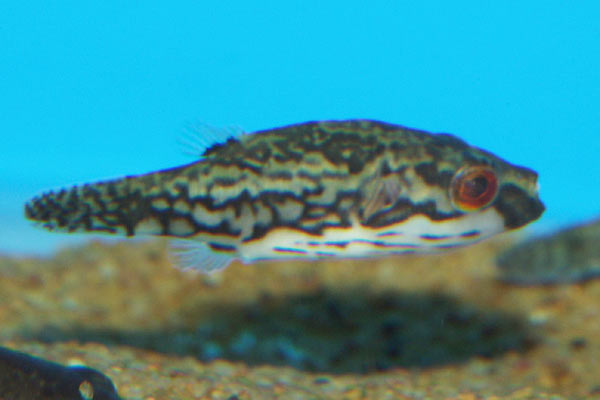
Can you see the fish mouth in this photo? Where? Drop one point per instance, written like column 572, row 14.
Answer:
column 517, row 206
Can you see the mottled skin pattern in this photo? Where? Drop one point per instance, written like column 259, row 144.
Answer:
column 305, row 177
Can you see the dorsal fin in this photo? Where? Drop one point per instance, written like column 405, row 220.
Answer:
column 199, row 139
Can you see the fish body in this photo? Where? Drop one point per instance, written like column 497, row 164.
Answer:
column 567, row 256
column 354, row 188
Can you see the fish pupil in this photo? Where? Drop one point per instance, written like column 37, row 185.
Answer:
column 476, row 187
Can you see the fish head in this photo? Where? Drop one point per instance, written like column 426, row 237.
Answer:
column 444, row 193
column 517, row 200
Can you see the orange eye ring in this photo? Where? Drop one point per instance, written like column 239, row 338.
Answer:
column 473, row 188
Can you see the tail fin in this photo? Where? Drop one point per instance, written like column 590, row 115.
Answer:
column 127, row 206
column 111, row 207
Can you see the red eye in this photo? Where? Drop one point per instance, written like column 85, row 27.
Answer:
column 473, row 188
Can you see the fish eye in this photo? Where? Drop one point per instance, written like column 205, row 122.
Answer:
column 473, row 188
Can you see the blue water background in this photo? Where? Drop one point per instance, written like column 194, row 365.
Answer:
column 95, row 90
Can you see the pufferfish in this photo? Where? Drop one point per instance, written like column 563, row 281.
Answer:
column 351, row 189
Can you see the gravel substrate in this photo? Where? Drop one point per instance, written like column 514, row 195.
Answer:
column 397, row 328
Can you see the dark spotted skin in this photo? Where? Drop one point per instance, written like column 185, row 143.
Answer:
column 306, row 177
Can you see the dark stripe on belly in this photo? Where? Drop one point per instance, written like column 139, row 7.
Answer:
column 389, row 233
column 329, row 244
column 387, row 245
column 325, row 254
column 473, row 233
column 222, row 247
column 288, row 250
column 435, row 237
